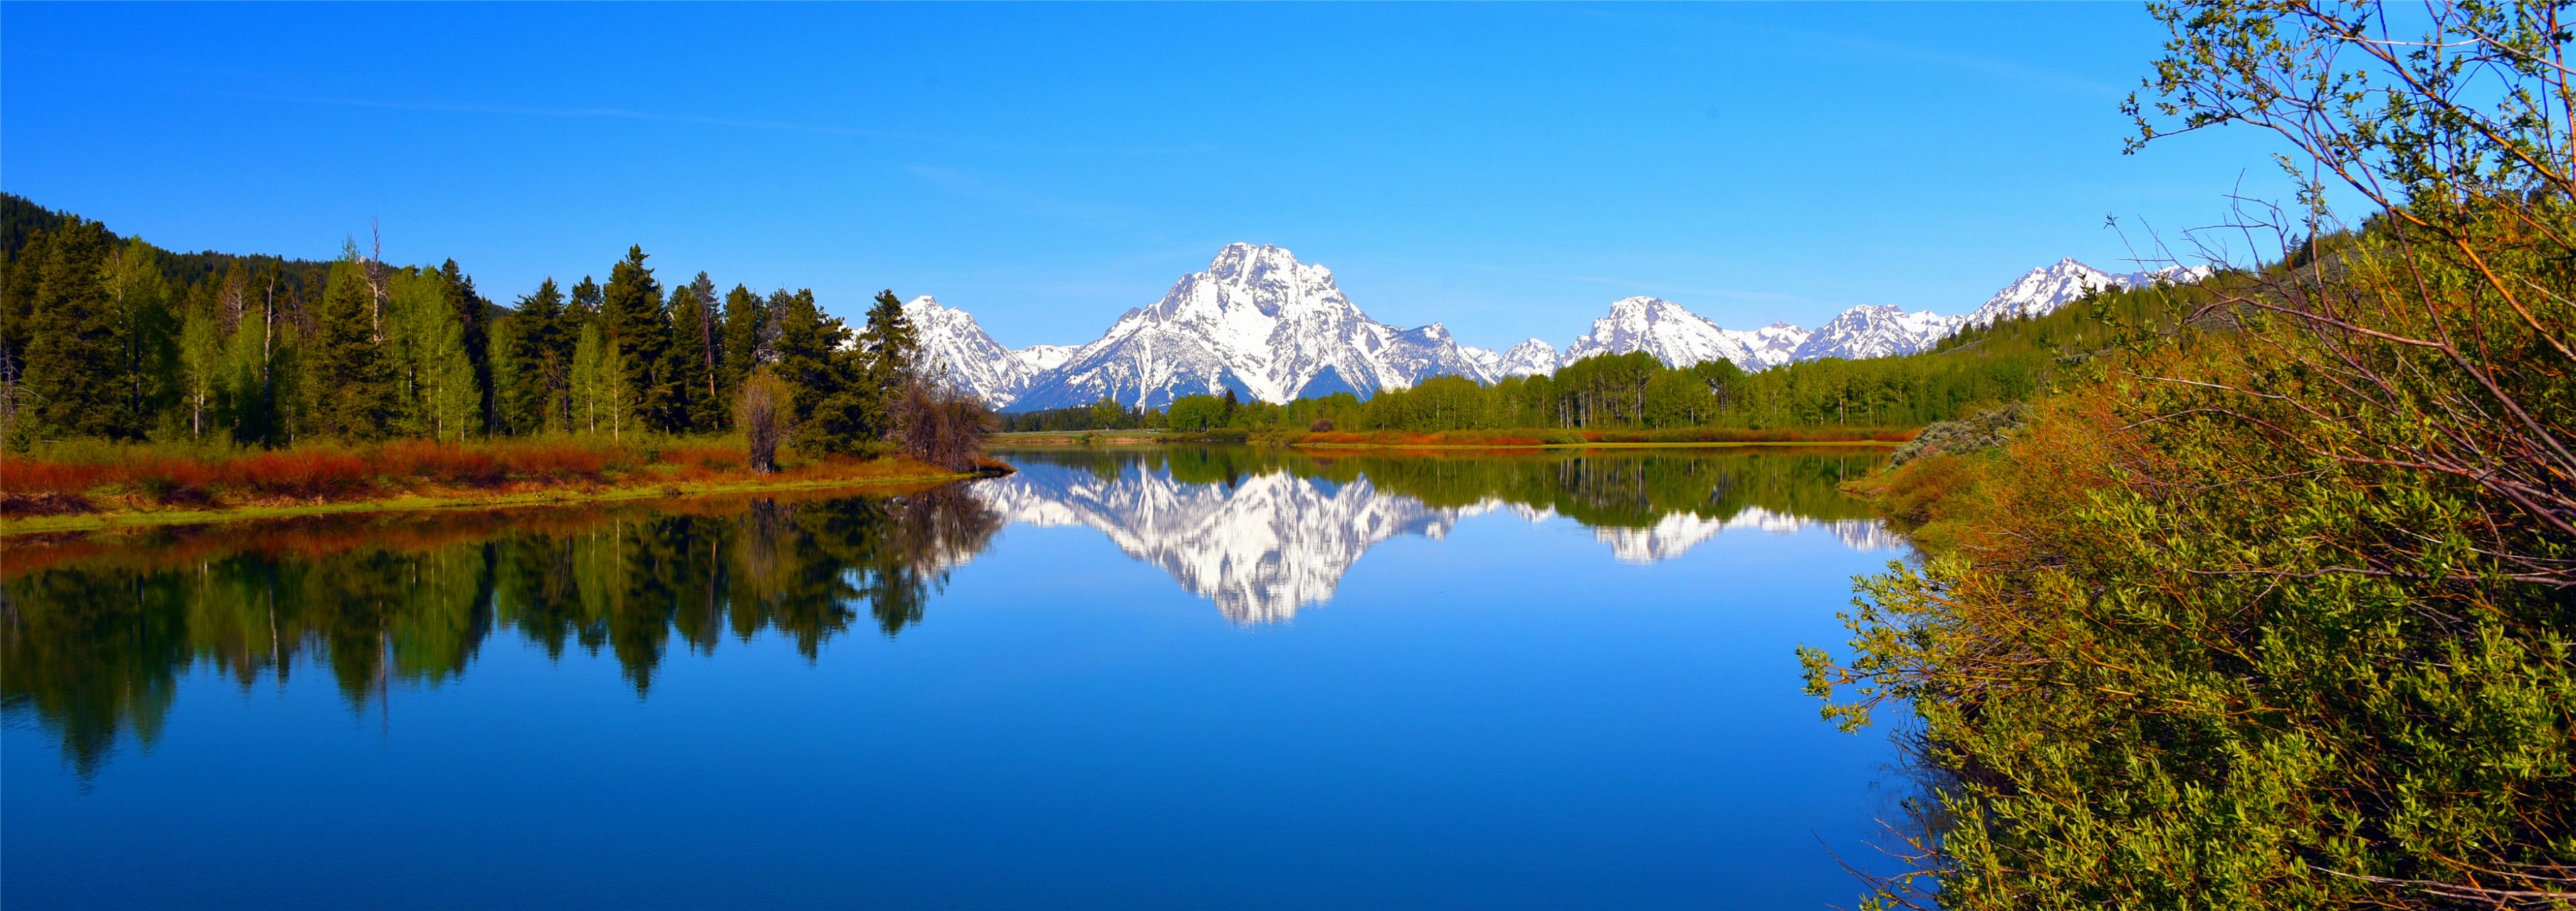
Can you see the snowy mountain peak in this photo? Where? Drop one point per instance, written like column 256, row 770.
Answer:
column 1664, row 329
column 2042, row 291
column 1261, row 323
column 1876, row 330
column 1258, row 322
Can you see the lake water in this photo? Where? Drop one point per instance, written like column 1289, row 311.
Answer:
column 1223, row 678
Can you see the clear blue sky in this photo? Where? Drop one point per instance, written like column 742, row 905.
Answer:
column 1506, row 169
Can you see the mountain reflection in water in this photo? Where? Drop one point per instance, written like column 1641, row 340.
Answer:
column 1264, row 533
column 96, row 631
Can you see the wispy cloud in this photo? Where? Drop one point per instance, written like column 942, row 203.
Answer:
column 614, row 113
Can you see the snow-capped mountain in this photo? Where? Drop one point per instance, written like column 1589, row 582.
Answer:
column 1772, row 345
column 1529, row 358
column 1271, row 328
column 2041, row 291
column 1876, row 331
column 1664, row 329
column 1256, row 321
column 951, row 340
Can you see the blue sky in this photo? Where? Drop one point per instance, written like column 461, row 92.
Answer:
column 1506, row 169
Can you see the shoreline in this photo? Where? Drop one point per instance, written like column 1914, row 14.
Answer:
column 109, row 520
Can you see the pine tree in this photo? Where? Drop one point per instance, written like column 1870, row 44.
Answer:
column 75, row 339
column 632, row 315
column 542, row 334
column 892, row 344
column 690, row 360
column 148, row 368
column 353, row 389
column 744, row 314
column 585, row 303
column 473, row 319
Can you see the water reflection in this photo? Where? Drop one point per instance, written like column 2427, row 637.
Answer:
column 94, row 633
column 1265, row 532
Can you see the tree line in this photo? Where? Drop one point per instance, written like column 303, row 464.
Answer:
column 108, row 337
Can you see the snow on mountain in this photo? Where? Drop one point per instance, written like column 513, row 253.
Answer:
column 1529, row 358
column 1256, row 321
column 1267, row 545
column 953, row 341
column 1041, row 358
column 1876, row 331
column 1772, row 345
column 1261, row 548
column 1271, row 328
column 2043, row 290
column 1664, row 329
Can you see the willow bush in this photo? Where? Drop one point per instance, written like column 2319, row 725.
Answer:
column 2272, row 610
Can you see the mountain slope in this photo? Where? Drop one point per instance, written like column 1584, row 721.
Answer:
column 2041, row 291
column 1876, row 331
column 951, row 340
column 1664, row 329
column 1258, row 322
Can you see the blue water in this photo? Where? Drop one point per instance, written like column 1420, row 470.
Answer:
column 1127, row 694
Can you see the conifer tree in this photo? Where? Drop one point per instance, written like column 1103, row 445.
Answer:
column 542, row 335
column 75, row 338
column 353, row 391
column 892, row 344
column 744, row 314
column 690, row 361
column 474, row 322
column 585, row 304
column 633, row 318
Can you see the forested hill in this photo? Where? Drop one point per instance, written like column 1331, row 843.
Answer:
column 108, row 337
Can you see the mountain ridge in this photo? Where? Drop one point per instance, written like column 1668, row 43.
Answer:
column 1266, row 326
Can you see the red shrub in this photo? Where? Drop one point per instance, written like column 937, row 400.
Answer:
column 305, row 473
column 30, row 476
column 557, row 460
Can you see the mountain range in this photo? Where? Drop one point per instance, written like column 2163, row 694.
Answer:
column 1268, row 327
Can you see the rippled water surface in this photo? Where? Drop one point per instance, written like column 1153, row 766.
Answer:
column 1187, row 678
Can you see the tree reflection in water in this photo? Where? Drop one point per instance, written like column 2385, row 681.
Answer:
column 95, row 631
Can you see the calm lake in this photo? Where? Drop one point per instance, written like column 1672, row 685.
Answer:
column 1220, row 678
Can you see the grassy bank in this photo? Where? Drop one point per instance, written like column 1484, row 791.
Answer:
column 110, row 487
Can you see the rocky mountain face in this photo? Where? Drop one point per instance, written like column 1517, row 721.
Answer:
column 1671, row 333
column 1268, row 327
column 1876, row 331
column 2041, row 291
column 1258, row 322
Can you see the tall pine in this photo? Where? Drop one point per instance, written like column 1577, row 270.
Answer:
column 353, row 394
column 638, row 330
column 76, row 339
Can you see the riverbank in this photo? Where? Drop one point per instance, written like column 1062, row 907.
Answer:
column 141, row 488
